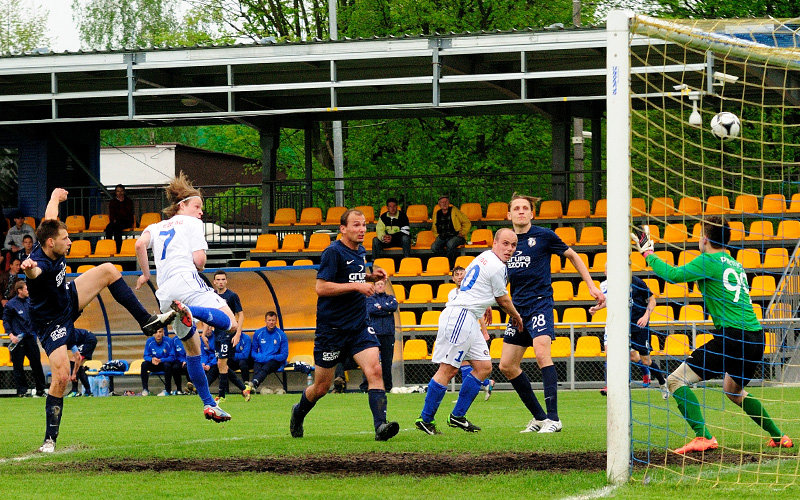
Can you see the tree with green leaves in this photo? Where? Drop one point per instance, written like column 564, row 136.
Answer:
column 21, row 29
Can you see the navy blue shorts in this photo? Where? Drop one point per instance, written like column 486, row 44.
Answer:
column 640, row 340
column 333, row 346
column 537, row 321
column 223, row 344
column 61, row 331
column 733, row 351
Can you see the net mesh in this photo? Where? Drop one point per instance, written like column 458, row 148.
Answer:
column 683, row 73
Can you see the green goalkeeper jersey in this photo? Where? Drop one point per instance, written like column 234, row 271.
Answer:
column 723, row 283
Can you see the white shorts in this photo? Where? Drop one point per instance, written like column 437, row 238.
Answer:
column 459, row 338
column 191, row 290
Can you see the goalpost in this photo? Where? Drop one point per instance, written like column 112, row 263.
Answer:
column 665, row 82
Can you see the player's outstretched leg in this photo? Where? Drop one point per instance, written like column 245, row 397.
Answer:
column 150, row 323
column 208, row 315
column 522, row 385
column 470, row 387
column 433, row 398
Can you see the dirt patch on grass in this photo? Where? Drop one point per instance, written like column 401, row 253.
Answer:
column 417, row 464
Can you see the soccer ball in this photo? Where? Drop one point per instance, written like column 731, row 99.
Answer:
column 726, row 126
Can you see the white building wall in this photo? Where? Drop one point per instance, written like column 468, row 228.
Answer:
column 137, row 165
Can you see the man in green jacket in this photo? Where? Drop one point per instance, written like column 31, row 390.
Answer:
column 737, row 348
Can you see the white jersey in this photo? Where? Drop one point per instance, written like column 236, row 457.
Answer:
column 484, row 280
column 173, row 241
column 452, row 294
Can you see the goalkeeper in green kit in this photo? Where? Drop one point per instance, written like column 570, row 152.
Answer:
column 738, row 344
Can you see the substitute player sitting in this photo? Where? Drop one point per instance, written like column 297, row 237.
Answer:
column 179, row 252
column 735, row 351
column 460, row 338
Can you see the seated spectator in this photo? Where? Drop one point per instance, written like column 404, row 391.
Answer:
column 241, row 357
column 179, row 365
column 8, row 281
column 120, row 215
column 393, row 230
column 450, row 229
column 27, row 248
column 159, row 356
column 269, row 350
column 13, row 242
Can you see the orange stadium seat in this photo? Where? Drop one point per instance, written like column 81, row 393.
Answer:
column 420, row 293
column 638, row 207
column 561, row 347
column 410, row 266
column 749, row 258
column 666, row 256
column 690, row 205
column 334, row 215
column 82, row 269
column 737, row 230
column 773, row 204
column 550, row 209
column 591, row 235
column 463, row 261
column 399, row 292
column 407, row 319
column 653, row 285
column 310, row 216
column 249, row 263
column 386, row 264
column 717, row 205
column 675, row 290
column 292, row 242
column 675, row 233
column 563, row 291
column 794, row 203
column 104, row 248
column 762, row 286
column 567, row 235
column 745, row 203
column 691, row 313
column 417, row 213
column 430, row 318
column 662, row 207
column 424, row 240
column 368, row 211
column 788, row 230
column 473, row 211
column 276, row 263
column 583, row 290
column 677, row 344
column 80, row 249
column 686, row 256
column 415, row 349
column 599, row 262
column 497, row 210
column 600, row 209
column 318, row 242
column 480, row 238
column 128, row 248
column 662, row 314
column 266, row 243
column 555, row 264
column 588, row 347
column 285, row 217
column 573, row 315
column 147, row 219
column 303, row 262
column 75, row 223
column 98, row 223
column 569, row 267
column 442, row 291
column 31, row 222
column 578, row 209
column 437, row 266
column 776, row 258
column 496, row 348
column 760, row 230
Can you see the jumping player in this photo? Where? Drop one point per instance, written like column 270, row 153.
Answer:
column 459, row 337
column 226, row 340
column 56, row 304
column 735, row 351
column 342, row 287
column 179, row 252
column 529, row 274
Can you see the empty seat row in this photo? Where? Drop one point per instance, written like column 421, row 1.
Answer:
column 104, row 248
column 98, row 222
column 763, row 230
column 771, row 204
column 294, row 242
column 276, row 263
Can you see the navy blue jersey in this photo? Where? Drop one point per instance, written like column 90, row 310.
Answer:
column 529, row 267
column 232, row 299
column 339, row 264
column 640, row 296
column 49, row 296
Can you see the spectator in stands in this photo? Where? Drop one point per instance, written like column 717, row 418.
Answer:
column 13, row 241
column 380, row 317
column 8, row 280
column 82, row 349
column 19, row 327
column 241, row 357
column 27, row 248
column 120, row 215
column 270, row 349
column 179, row 365
column 159, row 356
column 450, row 229
column 393, row 230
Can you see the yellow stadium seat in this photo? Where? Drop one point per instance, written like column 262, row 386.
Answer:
column 68, row 270
column 117, row 267
column 496, row 348
column 655, row 346
column 591, row 235
column 690, row 206
column 266, row 243
column 430, row 319
column 369, row 238
column 410, row 266
column 75, row 223
column 567, row 235
column 788, row 230
column 561, row 347
column 128, row 248
column 415, row 349
column 386, row 264
column 569, row 267
column 760, row 230
column 334, row 215
column 249, row 263
column 135, row 368
column 303, row 262
column 583, row 290
column 717, row 205
column 368, row 211
column 675, row 233
column 675, row 290
column 92, row 366
column 655, row 232
column 776, row 258
column 686, row 256
column 662, row 314
column 5, row 357
column 442, row 291
column 691, row 313
column 662, row 207
column 529, row 353
column 550, row 209
column 98, row 223
column 562, row 291
column 702, row 338
column 745, row 203
column 420, row 293
column 424, row 240
column 599, row 262
column 399, row 292
column 578, row 209
column 653, row 285
column 417, row 213
column 666, row 256
column 463, row 261
column 555, row 315
column 80, row 249
column 749, row 258
column 292, row 242
column 573, row 315
column 437, row 266
column 104, row 248
column 677, row 344
column 473, row 211
column 794, row 203
column 600, row 316
column 497, row 210
column 147, row 219
column 318, row 242
column 408, row 319
column 770, row 343
column 588, row 347
column 637, row 262
column 480, row 238
column 638, row 207
column 30, row 221
column 285, row 217
column 762, row 286
column 555, row 264
column 276, row 263
column 773, row 204
column 600, row 209
column 695, row 293
column 758, row 311
column 310, row 216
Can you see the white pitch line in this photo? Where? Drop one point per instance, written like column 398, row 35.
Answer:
column 603, row 492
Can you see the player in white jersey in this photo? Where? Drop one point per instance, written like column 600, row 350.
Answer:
column 179, row 252
column 459, row 337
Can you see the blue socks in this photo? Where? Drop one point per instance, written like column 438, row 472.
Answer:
column 466, row 370
column 211, row 316
column 550, row 381
column 522, row 385
column 377, row 404
column 198, row 377
column 123, row 294
column 433, row 399
column 470, row 387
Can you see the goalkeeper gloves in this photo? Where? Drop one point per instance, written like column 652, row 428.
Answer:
column 642, row 241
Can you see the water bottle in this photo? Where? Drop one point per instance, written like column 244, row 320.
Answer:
column 309, row 379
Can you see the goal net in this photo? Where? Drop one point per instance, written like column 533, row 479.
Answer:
column 668, row 155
